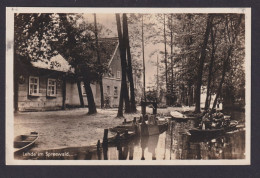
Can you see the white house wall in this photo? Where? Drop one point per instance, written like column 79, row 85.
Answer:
column 72, row 94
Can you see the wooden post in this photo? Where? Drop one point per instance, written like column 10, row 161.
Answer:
column 120, row 153
column 134, row 120
column 98, row 145
column 140, row 119
column 117, row 136
column 98, row 150
column 136, row 129
column 142, row 158
column 105, row 149
column 143, row 105
column 131, row 152
column 155, row 108
column 126, row 133
column 105, row 144
column 105, row 140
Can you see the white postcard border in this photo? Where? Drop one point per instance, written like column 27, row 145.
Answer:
column 9, row 85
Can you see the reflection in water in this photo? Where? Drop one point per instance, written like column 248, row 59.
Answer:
column 180, row 146
column 175, row 143
column 172, row 144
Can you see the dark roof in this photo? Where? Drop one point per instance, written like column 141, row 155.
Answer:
column 107, row 47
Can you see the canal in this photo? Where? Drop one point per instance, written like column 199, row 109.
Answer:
column 173, row 144
column 177, row 144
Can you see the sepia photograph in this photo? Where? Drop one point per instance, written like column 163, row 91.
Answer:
column 91, row 86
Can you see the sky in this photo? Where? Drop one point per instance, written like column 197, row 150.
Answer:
column 109, row 21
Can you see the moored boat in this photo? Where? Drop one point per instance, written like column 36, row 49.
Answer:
column 214, row 131
column 23, row 143
column 179, row 117
column 153, row 126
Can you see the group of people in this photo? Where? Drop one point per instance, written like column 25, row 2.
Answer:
column 213, row 119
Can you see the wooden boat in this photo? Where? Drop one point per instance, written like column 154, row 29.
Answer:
column 24, row 142
column 153, row 127
column 162, row 120
column 163, row 127
column 122, row 128
column 213, row 132
column 122, row 137
column 178, row 116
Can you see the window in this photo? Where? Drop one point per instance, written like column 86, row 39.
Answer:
column 108, row 90
column 118, row 74
column 115, row 91
column 33, row 86
column 51, row 87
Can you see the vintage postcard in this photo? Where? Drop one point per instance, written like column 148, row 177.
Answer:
column 128, row 86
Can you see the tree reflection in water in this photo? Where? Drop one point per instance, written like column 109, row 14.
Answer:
column 172, row 144
column 175, row 144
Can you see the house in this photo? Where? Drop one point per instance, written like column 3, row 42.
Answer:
column 39, row 86
column 109, row 54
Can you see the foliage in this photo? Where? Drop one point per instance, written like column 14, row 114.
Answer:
column 41, row 36
column 151, row 95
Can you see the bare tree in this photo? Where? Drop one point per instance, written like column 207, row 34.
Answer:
column 98, row 58
column 129, row 62
column 232, row 27
column 123, row 93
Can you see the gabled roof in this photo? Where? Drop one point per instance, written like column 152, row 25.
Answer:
column 108, row 48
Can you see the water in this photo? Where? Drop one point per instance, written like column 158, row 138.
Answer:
column 173, row 144
column 176, row 144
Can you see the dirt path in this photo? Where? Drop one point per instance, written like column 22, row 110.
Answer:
column 70, row 127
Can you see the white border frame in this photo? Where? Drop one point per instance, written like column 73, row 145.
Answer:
column 9, row 85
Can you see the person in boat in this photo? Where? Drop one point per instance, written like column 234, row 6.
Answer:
column 218, row 119
column 206, row 120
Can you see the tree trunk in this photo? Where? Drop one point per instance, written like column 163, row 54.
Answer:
column 201, row 63
column 121, row 104
column 225, row 64
column 91, row 103
column 210, row 68
column 144, row 94
column 123, row 93
column 210, row 96
column 165, row 59
column 172, row 84
column 189, row 94
column 80, row 93
column 130, row 73
column 157, row 81
column 98, row 59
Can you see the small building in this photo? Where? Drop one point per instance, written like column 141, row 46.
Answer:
column 40, row 86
